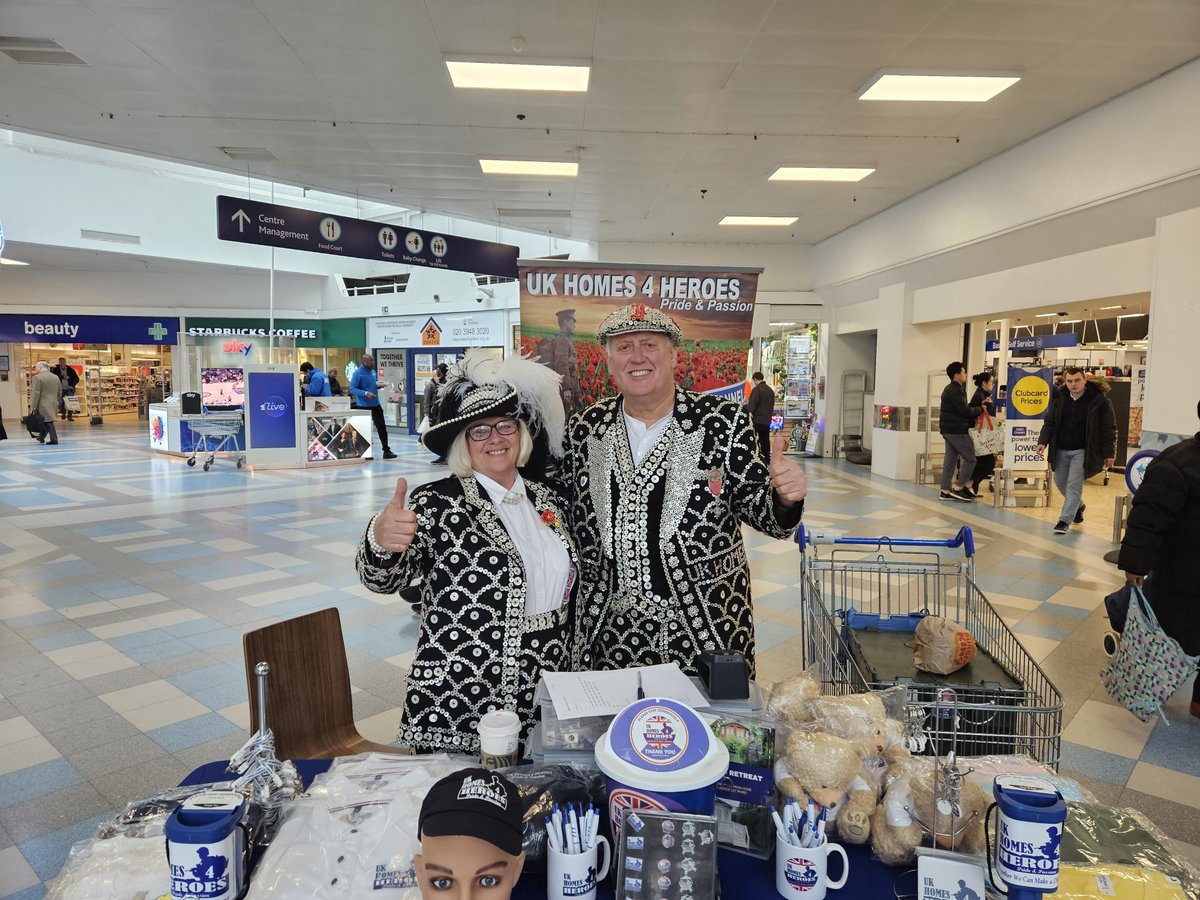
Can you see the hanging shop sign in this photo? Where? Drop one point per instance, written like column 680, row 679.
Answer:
column 251, row 222
column 305, row 332
column 1028, row 346
column 482, row 329
column 563, row 303
column 68, row 329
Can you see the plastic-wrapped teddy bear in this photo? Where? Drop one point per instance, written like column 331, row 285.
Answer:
column 910, row 814
column 828, row 769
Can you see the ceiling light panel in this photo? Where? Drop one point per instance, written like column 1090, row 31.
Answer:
column 490, row 76
column 759, row 220
column 946, row 87
column 529, row 167
column 12, row 262
column 818, row 173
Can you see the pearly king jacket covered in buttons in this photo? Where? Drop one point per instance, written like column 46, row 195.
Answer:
column 477, row 650
column 661, row 543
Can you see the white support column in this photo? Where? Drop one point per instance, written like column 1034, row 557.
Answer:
column 1171, row 392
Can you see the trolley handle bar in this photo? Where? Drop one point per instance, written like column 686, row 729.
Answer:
column 965, row 539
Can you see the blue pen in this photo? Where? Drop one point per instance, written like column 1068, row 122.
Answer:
column 641, row 693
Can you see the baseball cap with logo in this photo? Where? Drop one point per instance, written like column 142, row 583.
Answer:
column 475, row 803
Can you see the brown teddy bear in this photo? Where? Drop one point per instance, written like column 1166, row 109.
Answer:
column 909, row 814
column 829, row 770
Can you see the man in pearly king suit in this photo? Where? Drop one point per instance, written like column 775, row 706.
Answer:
column 661, row 480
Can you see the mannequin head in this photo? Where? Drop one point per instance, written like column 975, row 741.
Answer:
column 456, row 867
column 471, row 829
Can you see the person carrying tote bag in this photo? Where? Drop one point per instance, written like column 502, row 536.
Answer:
column 1161, row 537
column 1149, row 665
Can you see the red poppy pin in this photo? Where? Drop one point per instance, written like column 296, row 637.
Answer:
column 549, row 518
column 715, row 481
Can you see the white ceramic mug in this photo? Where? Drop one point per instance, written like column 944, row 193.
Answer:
column 499, row 739
column 574, row 876
column 803, row 872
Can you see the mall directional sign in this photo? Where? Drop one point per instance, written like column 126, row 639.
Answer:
column 251, row 222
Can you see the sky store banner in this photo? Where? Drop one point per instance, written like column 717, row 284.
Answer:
column 1027, row 405
column 563, row 303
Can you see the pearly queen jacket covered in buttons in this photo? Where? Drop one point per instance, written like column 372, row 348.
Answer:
column 476, row 650
column 661, row 542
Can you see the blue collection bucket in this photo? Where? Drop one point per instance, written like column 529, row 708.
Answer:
column 659, row 756
column 207, row 847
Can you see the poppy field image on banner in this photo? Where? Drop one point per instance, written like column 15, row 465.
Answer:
column 563, row 304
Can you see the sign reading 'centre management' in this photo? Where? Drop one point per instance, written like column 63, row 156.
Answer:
column 251, row 222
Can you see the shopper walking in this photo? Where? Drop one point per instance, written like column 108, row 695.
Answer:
column 956, row 418
column 761, row 406
column 1162, row 536
column 45, row 392
column 497, row 564
column 430, row 403
column 1079, row 436
column 316, row 382
column 70, row 379
column 364, row 388
column 985, row 465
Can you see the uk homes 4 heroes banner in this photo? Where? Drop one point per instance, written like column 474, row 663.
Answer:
column 1028, row 402
column 563, row 304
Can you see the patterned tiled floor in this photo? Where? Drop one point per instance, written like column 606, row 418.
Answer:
column 127, row 580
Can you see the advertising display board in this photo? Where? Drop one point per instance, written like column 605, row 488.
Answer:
column 563, row 303
column 1028, row 402
column 272, row 415
column 481, row 329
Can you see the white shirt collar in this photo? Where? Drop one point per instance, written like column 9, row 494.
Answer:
column 497, row 492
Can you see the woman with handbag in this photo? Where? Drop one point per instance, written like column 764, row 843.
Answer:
column 985, row 463
column 1161, row 537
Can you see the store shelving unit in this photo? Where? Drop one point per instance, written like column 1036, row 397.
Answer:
column 117, row 387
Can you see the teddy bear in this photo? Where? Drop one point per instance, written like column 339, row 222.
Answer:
column 828, row 769
column 906, row 818
column 788, row 703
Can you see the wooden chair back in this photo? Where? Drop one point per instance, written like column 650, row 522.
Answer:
column 309, row 707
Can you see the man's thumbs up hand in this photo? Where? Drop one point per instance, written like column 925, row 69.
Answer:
column 396, row 526
column 787, row 478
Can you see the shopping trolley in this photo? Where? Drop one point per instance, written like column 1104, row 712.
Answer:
column 223, row 425
column 861, row 600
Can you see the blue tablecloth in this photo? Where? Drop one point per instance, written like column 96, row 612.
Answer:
column 742, row 877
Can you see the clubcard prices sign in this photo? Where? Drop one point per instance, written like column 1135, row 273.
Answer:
column 1028, row 402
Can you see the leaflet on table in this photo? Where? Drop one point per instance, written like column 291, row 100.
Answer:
column 606, row 693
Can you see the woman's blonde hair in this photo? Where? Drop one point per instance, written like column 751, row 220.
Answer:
column 459, row 457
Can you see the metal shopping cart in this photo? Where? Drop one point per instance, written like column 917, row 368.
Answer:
column 222, row 425
column 861, row 600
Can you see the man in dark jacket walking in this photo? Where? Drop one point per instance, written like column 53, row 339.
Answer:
column 761, row 406
column 430, row 404
column 1162, row 536
column 954, row 422
column 1080, row 435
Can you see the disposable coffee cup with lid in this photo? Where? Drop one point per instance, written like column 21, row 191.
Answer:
column 499, row 739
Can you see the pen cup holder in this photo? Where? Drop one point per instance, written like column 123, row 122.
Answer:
column 574, row 876
column 802, row 873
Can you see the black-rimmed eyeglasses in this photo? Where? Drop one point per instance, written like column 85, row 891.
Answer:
column 483, row 431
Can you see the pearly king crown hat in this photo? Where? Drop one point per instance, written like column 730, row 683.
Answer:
column 638, row 317
column 480, row 386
